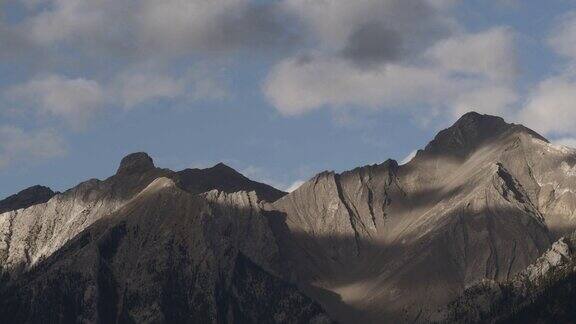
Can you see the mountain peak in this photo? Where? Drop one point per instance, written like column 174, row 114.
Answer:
column 224, row 178
column 26, row 198
column 476, row 116
column 135, row 163
column 469, row 132
column 223, row 167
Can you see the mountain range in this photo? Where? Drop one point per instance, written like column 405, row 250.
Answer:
column 477, row 227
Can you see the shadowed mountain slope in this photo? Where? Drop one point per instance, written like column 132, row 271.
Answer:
column 542, row 293
column 26, row 198
column 226, row 179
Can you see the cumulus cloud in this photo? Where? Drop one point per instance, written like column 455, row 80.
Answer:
column 210, row 25
column 391, row 54
column 494, row 99
column 550, row 108
column 367, row 53
column 297, row 85
column 150, row 28
column 456, row 73
column 72, row 99
column 18, row 146
column 489, row 54
column 77, row 100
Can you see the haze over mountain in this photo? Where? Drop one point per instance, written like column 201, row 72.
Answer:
column 384, row 243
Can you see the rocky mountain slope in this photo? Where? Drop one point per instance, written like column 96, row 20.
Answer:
column 542, row 293
column 382, row 243
column 483, row 200
column 137, row 247
column 165, row 256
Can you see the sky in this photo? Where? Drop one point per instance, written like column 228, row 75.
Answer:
column 279, row 90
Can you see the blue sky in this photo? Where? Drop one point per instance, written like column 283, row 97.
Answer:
column 279, row 90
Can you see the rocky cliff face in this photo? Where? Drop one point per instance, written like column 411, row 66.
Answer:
column 382, row 243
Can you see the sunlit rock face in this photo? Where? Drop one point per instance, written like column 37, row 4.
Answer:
column 481, row 203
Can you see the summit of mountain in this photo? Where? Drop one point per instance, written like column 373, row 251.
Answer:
column 26, row 198
column 224, row 178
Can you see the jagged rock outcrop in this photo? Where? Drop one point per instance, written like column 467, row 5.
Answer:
column 26, row 198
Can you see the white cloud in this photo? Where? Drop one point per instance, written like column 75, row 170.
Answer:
column 153, row 29
column 77, row 100
column 474, row 71
column 550, row 108
column 74, row 100
column 550, row 105
column 495, row 99
column 179, row 24
column 295, row 185
column 488, row 54
column 18, row 146
column 394, row 32
column 424, row 59
column 297, row 85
